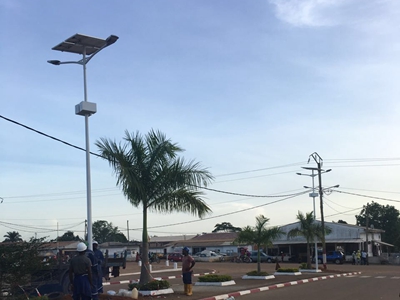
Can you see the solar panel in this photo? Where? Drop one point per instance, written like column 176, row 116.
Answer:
column 77, row 43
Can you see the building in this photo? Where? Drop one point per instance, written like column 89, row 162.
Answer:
column 165, row 244
column 219, row 242
column 343, row 237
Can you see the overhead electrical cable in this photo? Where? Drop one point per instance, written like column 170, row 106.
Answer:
column 222, row 215
column 365, row 196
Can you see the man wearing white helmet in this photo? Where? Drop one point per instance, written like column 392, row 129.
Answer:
column 80, row 274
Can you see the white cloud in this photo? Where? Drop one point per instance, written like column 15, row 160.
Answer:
column 307, row 12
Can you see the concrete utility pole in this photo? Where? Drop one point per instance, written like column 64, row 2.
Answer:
column 318, row 160
column 366, row 228
column 127, row 228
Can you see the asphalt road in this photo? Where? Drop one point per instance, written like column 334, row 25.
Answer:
column 365, row 287
column 374, row 282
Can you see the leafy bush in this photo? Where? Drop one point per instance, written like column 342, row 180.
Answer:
column 287, row 270
column 255, row 273
column 151, row 286
column 215, row 278
column 303, row 266
column 19, row 261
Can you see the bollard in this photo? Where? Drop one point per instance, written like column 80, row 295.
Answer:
column 139, row 263
column 135, row 293
column 175, row 265
column 167, row 263
column 150, row 268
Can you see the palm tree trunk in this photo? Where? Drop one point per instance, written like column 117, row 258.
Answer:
column 145, row 276
column 308, row 256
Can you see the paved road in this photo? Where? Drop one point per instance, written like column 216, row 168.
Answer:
column 374, row 282
column 365, row 287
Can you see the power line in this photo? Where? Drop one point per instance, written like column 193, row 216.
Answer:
column 263, row 169
column 222, row 215
column 365, row 196
column 249, row 195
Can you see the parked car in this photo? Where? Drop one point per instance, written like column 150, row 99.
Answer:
column 175, row 257
column 207, row 255
column 336, row 257
column 263, row 257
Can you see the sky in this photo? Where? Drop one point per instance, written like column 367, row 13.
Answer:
column 250, row 89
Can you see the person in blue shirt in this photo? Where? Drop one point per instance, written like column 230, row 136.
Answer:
column 95, row 273
column 100, row 260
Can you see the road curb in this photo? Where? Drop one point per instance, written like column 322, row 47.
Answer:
column 155, row 278
column 277, row 286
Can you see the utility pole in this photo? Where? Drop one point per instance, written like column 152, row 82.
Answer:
column 127, row 228
column 84, row 236
column 318, row 160
column 366, row 228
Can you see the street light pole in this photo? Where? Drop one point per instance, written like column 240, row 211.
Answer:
column 313, row 195
column 318, row 160
column 88, row 47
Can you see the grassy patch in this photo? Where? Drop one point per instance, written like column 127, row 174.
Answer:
column 215, row 278
column 287, row 270
column 151, row 286
column 255, row 273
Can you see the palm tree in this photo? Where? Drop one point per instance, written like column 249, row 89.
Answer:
column 152, row 175
column 308, row 229
column 259, row 236
column 12, row 236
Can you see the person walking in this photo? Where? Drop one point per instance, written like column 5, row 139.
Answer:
column 187, row 271
column 354, row 256
column 358, row 255
column 80, row 274
column 363, row 257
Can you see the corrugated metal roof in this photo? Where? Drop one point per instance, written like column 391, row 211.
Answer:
column 338, row 241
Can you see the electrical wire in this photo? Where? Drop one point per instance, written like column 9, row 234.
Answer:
column 222, row 215
column 365, row 196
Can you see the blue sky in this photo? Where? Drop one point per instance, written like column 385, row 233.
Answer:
column 248, row 88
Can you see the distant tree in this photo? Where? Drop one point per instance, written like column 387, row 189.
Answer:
column 259, row 236
column 152, row 175
column 308, row 229
column 69, row 236
column 18, row 261
column 342, row 222
column 385, row 217
column 226, row 227
column 106, row 232
column 12, row 236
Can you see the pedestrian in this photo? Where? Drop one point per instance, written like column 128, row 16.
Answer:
column 80, row 274
column 363, row 257
column 354, row 256
column 187, row 271
column 95, row 273
column 282, row 255
column 100, row 260
column 358, row 256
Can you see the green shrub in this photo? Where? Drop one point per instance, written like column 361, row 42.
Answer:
column 255, row 273
column 151, row 286
column 303, row 266
column 287, row 270
column 214, row 278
